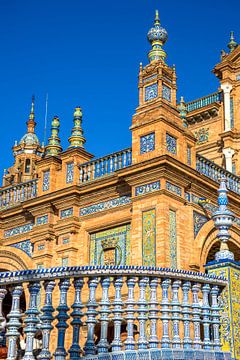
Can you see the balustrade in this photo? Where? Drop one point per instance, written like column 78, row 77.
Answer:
column 106, row 165
column 204, row 101
column 18, row 193
column 161, row 309
column 215, row 172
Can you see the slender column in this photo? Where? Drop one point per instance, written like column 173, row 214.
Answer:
column 227, row 107
column 228, row 153
column 186, row 311
column 215, row 318
column 46, row 319
column 142, row 313
column 196, row 311
column 76, row 323
column 153, row 313
column 165, row 313
column 176, row 341
column 130, row 342
column 117, row 311
column 31, row 320
column 14, row 322
column 90, row 348
column 62, row 316
column 3, row 292
column 206, row 316
column 103, row 344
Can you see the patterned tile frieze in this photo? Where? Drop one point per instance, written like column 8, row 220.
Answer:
column 40, row 220
column 153, row 77
column 110, row 247
column 18, row 230
column 166, row 92
column 69, row 174
column 151, row 92
column 147, row 188
column 173, row 188
column 173, row 238
column 147, row 143
column 105, row 205
column 25, row 246
column 171, row 143
column 189, row 155
column 66, row 213
column 149, row 237
column 46, row 180
column 198, row 220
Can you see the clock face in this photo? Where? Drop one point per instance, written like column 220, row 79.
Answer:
column 151, row 92
column 166, row 92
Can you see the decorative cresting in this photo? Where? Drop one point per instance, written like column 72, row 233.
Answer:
column 77, row 139
column 53, row 147
column 14, row 195
column 162, row 306
column 223, row 220
column 105, row 166
column 157, row 37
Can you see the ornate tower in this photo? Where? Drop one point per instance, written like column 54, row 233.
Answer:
column 26, row 153
column 157, row 127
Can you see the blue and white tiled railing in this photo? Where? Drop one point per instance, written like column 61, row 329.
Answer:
column 106, row 165
column 115, row 310
column 13, row 195
column 204, row 101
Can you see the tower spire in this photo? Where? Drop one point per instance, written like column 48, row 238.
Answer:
column 53, row 147
column 77, row 139
column 157, row 36
column 232, row 43
column 31, row 120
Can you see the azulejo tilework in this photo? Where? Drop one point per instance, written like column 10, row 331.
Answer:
column 149, row 237
column 149, row 78
column 69, row 175
column 151, row 92
column 231, row 113
column 171, row 142
column 147, row 188
column 105, row 205
column 166, row 92
column 201, row 135
column 18, row 230
column 40, row 220
column 66, row 213
column 198, row 220
column 46, row 179
column 189, row 155
column 110, row 247
column 173, row 238
column 147, row 143
column 25, row 246
column 173, row 188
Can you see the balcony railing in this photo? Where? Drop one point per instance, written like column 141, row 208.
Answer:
column 114, row 309
column 13, row 195
column 204, row 101
column 214, row 172
column 106, row 165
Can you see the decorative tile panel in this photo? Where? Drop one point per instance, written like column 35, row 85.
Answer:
column 173, row 238
column 147, row 143
column 64, row 261
column 151, row 92
column 69, row 175
column 173, row 188
column 189, row 155
column 25, row 246
column 201, row 135
column 198, row 220
column 147, row 188
column 40, row 220
column 105, row 205
column 46, row 180
column 41, row 247
column 149, row 78
column 171, row 142
column 18, row 230
column 149, row 237
column 231, row 113
column 65, row 240
column 166, row 92
column 111, row 246
column 66, row 213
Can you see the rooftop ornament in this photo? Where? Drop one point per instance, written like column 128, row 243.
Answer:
column 157, row 36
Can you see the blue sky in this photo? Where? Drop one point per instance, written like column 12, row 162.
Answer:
column 87, row 53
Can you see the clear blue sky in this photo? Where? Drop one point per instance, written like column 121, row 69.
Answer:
column 87, row 53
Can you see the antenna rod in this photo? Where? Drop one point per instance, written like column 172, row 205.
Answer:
column 45, row 121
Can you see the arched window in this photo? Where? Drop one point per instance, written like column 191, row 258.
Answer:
column 27, row 166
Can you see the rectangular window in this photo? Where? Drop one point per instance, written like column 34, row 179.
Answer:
column 189, row 155
column 69, row 174
column 171, row 142
column 40, row 266
column 46, row 179
column 147, row 143
column 173, row 238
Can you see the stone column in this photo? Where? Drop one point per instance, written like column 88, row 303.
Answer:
column 228, row 153
column 226, row 93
